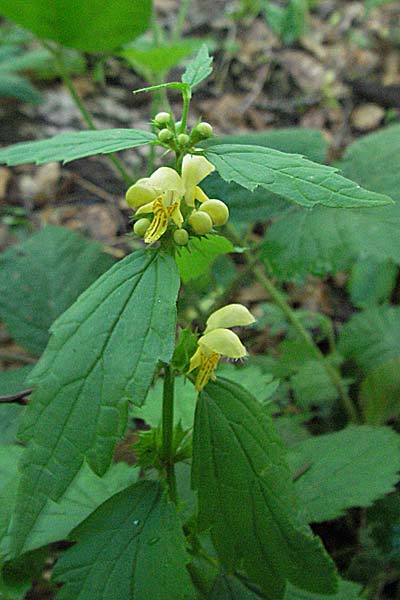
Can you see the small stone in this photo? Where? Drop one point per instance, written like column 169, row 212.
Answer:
column 367, row 116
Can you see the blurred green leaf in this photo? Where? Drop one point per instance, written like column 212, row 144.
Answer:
column 380, row 393
column 42, row 277
column 195, row 259
column 89, row 25
column 371, row 282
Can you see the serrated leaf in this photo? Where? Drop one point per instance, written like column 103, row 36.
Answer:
column 42, row 277
column 145, row 55
column 12, row 381
column 89, row 25
column 246, row 495
column 103, row 352
column 85, row 494
column 380, row 393
column 195, row 259
column 312, row 386
column 261, row 205
column 328, row 240
column 290, row 176
column 352, row 467
column 131, row 548
column 371, row 337
column 199, row 68
column 71, row 146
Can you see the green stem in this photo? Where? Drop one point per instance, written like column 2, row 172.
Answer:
column 186, row 93
column 87, row 117
column 180, row 19
column 167, row 449
column 292, row 317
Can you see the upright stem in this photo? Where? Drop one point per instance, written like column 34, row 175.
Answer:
column 185, row 111
column 87, row 117
column 180, row 19
column 292, row 317
column 167, row 450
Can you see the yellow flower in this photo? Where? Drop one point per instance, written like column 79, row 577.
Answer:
column 194, row 170
column 219, row 341
column 162, row 192
column 161, row 195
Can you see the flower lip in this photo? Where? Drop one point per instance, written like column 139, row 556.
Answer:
column 231, row 315
column 224, row 342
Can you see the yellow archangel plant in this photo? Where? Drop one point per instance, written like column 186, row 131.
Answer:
column 161, row 194
column 217, row 340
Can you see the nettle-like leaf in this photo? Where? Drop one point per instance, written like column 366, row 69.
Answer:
column 198, row 69
column 328, row 240
column 131, row 548
column 246, row 495
column 347, row 590
column 89, row 25
column 12, row 381
column 103, row 352
column 195, row 259
column 371, row 337
column 53, row 266
column 71, row 146
column 261, row 204
column 291, row 176
column 380, row 392
column 352, row 467
column 57, row 519
column 371, row 282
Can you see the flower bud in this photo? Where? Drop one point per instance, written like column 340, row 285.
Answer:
column 183, row 139
column 217, row 210
column 141, row 226
column 162, row 118
column 204, row 129
column 165, row 135
column 181, row 237
column 200, row 222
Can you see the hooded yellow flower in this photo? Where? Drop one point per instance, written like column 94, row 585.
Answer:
column 161, row 194
column 219, row 341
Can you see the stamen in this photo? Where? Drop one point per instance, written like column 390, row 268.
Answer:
column 206, row 370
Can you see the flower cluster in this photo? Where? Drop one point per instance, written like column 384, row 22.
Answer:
column 162, row 194
column 217, row 340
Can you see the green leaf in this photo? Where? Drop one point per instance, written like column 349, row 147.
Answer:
column 352, row 467
column 89, row 25
column 71, row 146
column 290, row 176
column 42, row 277
column 145, row 55
column 312, row 386
column 12, row 381
column 131, row 548
column 371, row 337
column 9, row 457
column 16, row 86
column 328, row 240
column 380, row 393
column 348, row 590
column 371, row 282
column 85, row 494
column 195, row 259
column 245, row 206
column 184, row 405
column 199, row 68
column 103, row 352
column 246, row 495
column 228, row 587
column 175, row 85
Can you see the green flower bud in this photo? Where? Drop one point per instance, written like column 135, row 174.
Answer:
column 204, row 129
column 141, row 226
column 183, row 139
column 181, row 237
column 162, row 118
column 178, row 126
column 200, row 222
column 165, row 135
column 217, row 210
